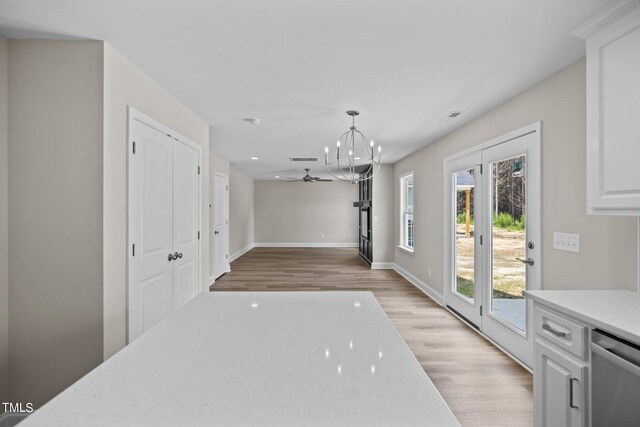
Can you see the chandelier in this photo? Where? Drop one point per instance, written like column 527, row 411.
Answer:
column 346, row 157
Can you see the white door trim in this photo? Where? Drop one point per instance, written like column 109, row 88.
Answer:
column 133, row 114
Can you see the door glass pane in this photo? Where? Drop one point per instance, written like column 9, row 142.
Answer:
column 464, row 235
column 508, row 240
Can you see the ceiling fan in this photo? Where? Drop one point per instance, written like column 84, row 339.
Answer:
column 307, row 178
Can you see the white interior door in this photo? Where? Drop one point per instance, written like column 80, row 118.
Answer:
column 463, row 188
column 220, row 225
column 492, row 223
column 163, row 222
column 150, row 228
column 186, row 219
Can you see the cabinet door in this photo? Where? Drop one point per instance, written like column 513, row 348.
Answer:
column 559, row 388
column 613, row 128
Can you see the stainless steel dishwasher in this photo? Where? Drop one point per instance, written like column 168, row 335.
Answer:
column 615, row 381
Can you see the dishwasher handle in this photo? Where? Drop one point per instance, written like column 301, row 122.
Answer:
column 621, row 362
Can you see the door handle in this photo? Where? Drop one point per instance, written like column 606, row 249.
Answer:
column 175, row 256
column 180, row 255
column 528, row 261
column 170, row 257
column 571, row 404
column 216, row 232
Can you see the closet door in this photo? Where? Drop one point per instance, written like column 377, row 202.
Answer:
column 185, row 223
column 150, row 296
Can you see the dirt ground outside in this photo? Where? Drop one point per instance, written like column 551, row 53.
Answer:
column 508, row 273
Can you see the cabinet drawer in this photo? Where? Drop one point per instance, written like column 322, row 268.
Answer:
column 565, row 333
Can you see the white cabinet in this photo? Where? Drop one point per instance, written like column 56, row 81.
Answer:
column 559, row 387
column 560, row 376
column 613, row 103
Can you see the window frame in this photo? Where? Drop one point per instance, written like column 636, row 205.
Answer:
column 404, row 230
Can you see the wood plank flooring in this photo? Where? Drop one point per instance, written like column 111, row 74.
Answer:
column 482, row 385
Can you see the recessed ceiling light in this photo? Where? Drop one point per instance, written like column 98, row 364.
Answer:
column 277, row 176
column 254, row 158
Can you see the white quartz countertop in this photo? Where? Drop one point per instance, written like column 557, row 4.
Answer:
column 259, row 358
column 617, row 312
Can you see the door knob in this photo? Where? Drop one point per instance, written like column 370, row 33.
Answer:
column 528, row 261
column 176, row 256
column 170, row 257
column 180, row 255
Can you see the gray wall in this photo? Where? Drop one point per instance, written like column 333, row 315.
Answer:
column 608, row 257
column 125, row 84
column 4, row 238
column 299, row 212
column 241, row 212
column 55, row 212
column 383, row 209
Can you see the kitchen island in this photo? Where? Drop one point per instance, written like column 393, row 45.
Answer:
column 259, row 358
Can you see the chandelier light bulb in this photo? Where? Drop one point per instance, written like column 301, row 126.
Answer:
column 372, row 143
column 379, row 148
column 326, row 150
column 350, row 153
column 338, row 144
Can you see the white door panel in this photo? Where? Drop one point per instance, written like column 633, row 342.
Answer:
column 185, row 223
column 151, row 228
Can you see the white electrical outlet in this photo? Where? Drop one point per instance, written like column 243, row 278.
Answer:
column 566, row 242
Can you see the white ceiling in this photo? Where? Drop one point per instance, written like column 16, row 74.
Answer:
column 299, row 64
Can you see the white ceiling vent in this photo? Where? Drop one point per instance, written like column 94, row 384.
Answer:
column 452, row 115
column 303, row 159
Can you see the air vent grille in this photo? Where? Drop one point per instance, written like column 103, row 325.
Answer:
column 452, row 115
column 303, row 159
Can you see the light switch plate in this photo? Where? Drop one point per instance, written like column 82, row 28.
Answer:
column 566, row 242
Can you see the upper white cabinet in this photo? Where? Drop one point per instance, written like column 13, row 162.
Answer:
column 613, row 109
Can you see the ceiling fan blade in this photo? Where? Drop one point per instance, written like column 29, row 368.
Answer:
column 324, row 180
column 295, row 180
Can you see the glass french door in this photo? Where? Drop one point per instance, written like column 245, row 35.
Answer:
column 494, row 239
column 464, row 187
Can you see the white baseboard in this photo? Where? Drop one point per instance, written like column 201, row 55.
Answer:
column 383, row 266
column 305, row 245
column 241, row 252
column 428, row 290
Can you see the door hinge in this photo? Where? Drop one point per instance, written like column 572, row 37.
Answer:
column 198, row 170
column 227, row 222
column 198, row 235
column 480, row 310
column 227, row 256
column 481, row 239
column 480, row 169
column 133, row 250
column 134, row 147
column 227, row 188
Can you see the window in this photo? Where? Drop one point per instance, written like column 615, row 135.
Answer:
column 406, row 212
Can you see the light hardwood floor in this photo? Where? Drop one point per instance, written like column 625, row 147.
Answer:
column 482, row 385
